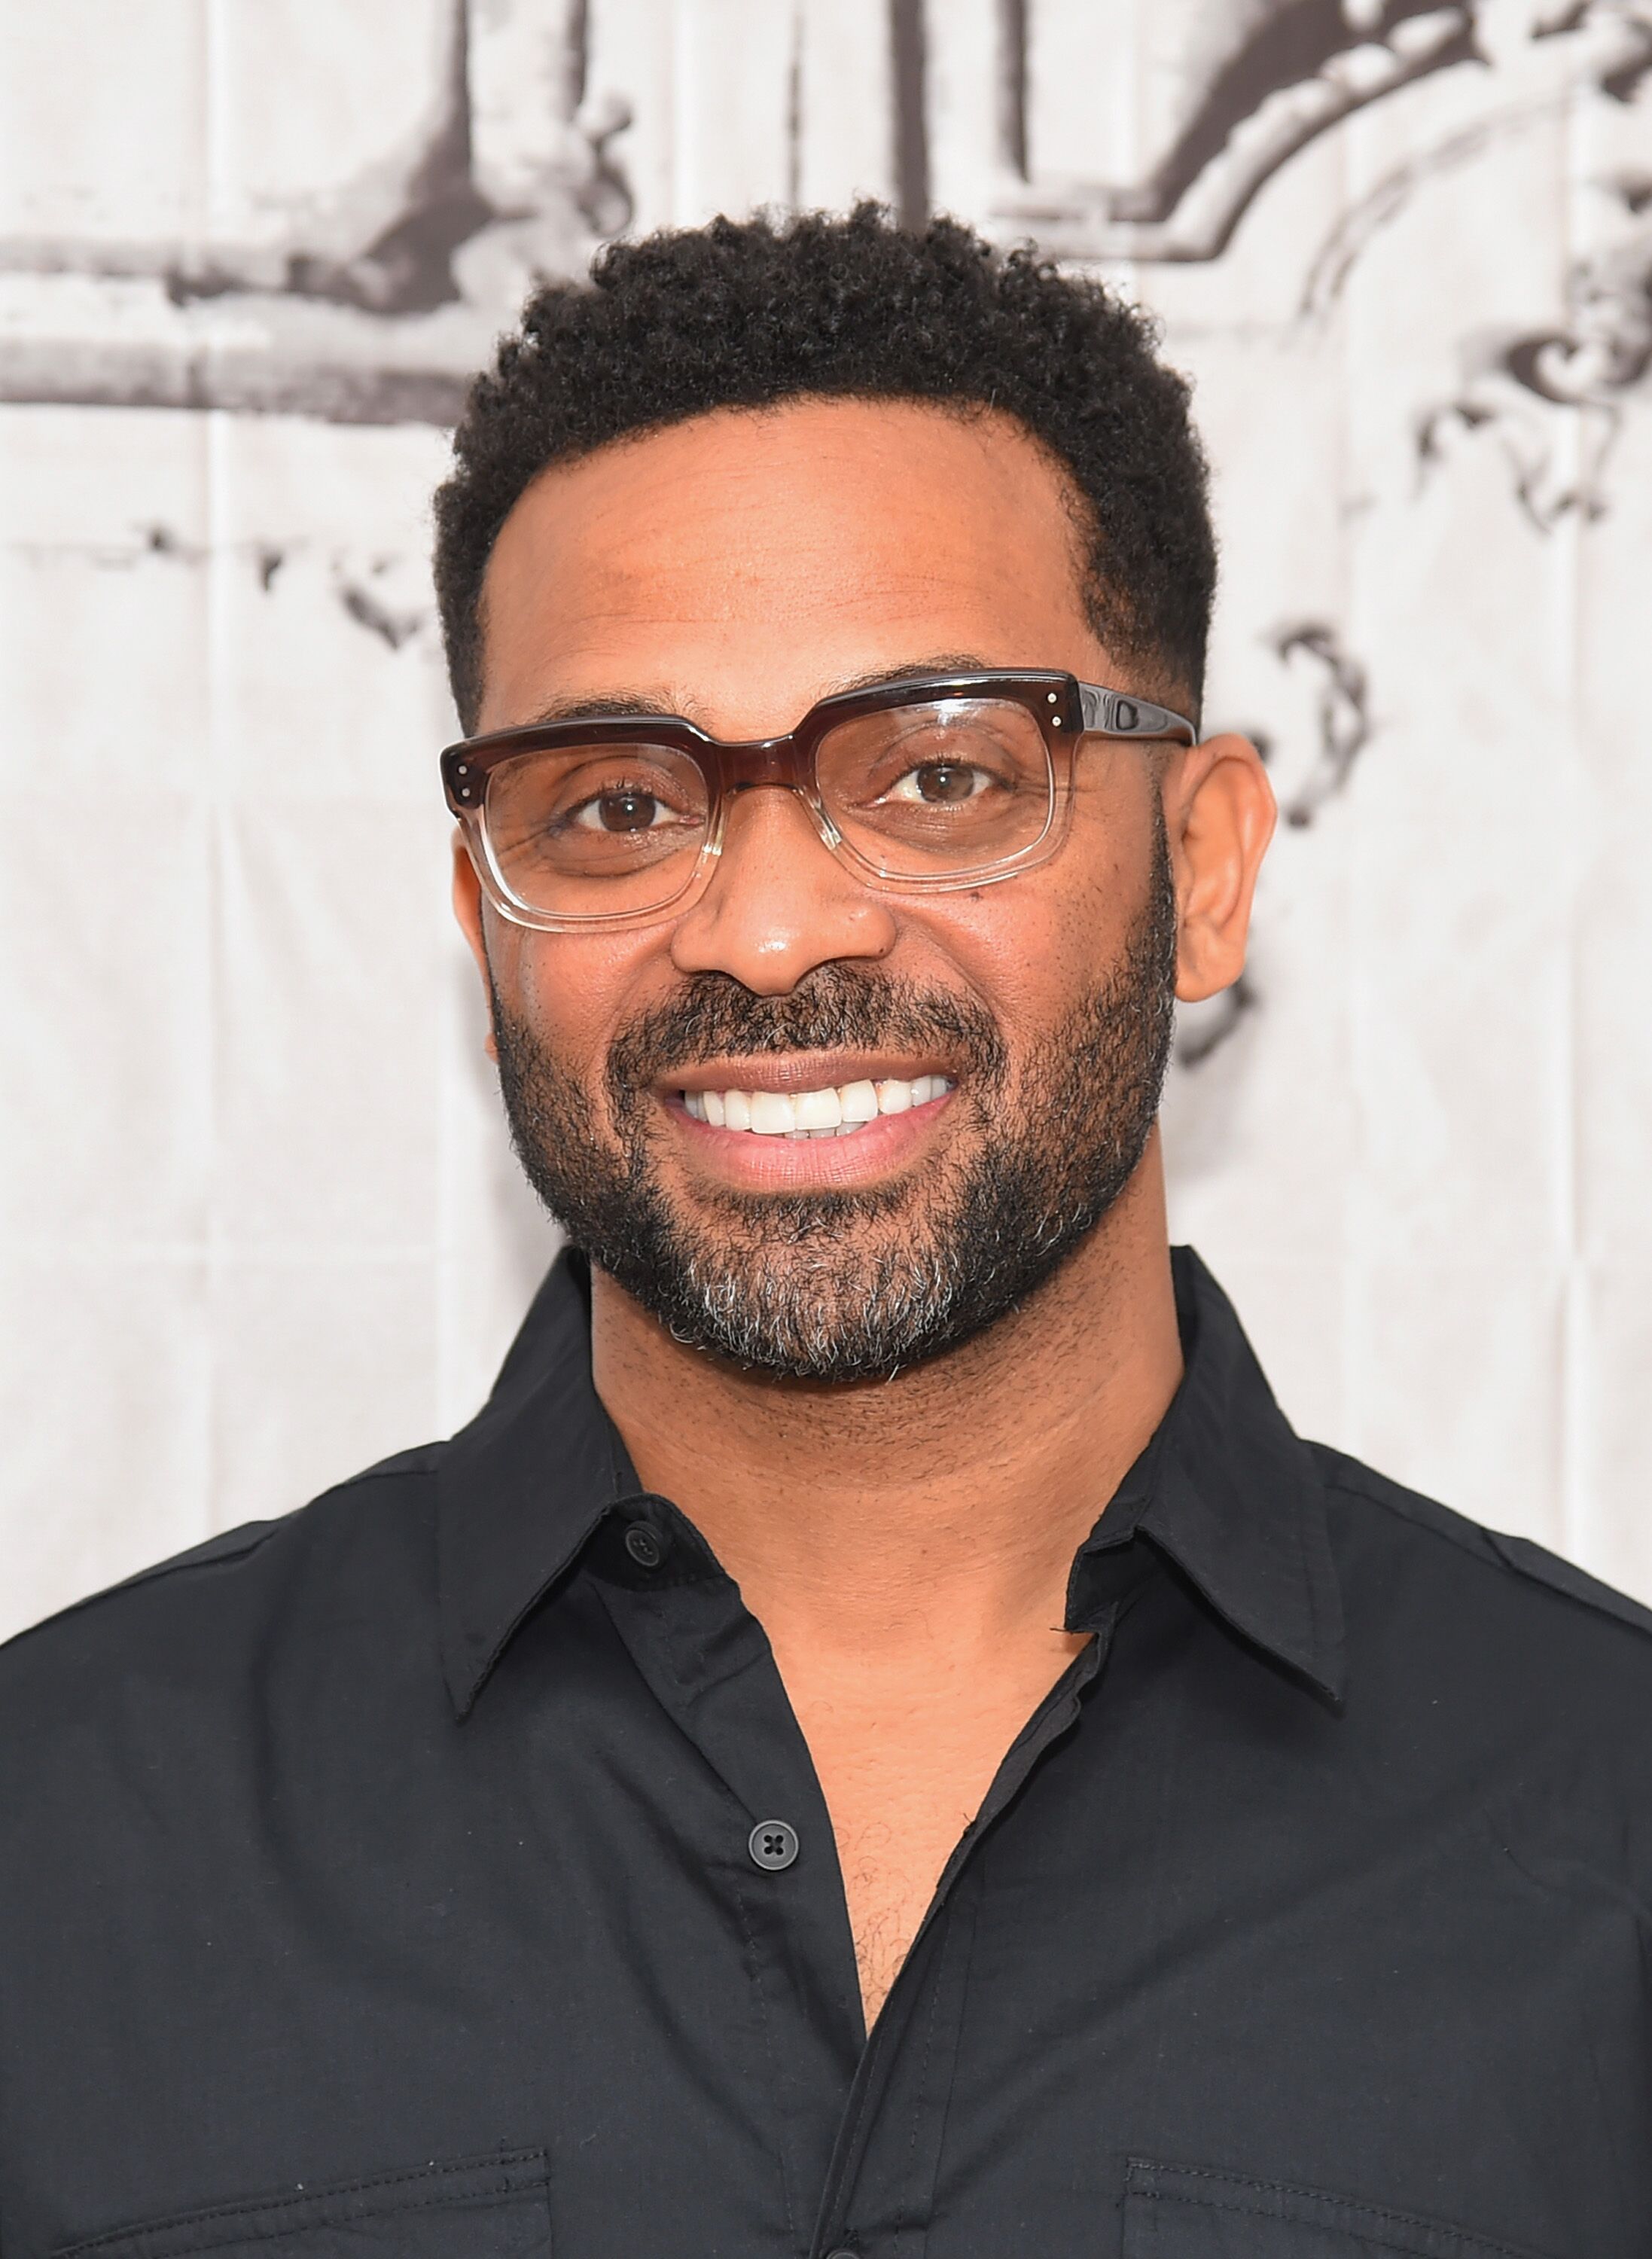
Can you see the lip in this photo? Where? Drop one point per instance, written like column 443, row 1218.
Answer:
column 758, row 1164
column 791, row 1071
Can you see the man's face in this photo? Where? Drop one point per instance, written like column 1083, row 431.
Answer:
column 734, row 570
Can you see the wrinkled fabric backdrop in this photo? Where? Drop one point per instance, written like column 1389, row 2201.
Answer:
column 260, row 1222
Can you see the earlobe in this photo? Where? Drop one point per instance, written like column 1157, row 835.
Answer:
column 1219, row 810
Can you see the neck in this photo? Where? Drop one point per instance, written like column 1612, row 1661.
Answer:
column 866, row 1518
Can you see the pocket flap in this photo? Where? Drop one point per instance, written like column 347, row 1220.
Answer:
column 1188, row 2211
column 474, row 2208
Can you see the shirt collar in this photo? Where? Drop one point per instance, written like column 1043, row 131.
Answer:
column 1225, row 1490
column 1228, row 1493
column 522, row 1488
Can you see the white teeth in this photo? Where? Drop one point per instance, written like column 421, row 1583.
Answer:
column 829, row 1113
column 819, row 1109
column 773, row 1112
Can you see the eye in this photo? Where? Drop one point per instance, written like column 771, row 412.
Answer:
column 625, row 809
column 942, row 784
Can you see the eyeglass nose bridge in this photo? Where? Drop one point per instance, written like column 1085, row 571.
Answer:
column 762, row 761
column 784, row 762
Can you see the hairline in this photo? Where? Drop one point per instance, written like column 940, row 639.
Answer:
column 1164, row 685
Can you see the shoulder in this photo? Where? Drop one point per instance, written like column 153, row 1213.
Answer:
column 1506, row 1685
column 195, row 1617
column 1493, row 1591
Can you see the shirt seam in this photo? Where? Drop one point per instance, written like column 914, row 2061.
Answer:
column 1317, row 2196
column 1464, row 1542
column 1318, row 1629
column 904, row 2217
column 227, row 2212
column 750, row 1935
column 961, row 1996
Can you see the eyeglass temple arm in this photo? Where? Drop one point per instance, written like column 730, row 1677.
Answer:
column 1110, row 714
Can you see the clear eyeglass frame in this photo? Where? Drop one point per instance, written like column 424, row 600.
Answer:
column 1066, row 709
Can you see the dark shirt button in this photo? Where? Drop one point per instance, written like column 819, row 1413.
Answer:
column 646, row 1545
column 773, row 1843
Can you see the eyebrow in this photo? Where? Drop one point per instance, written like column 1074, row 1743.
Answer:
column 629, row 706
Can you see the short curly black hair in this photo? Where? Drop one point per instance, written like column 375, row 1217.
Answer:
column 742, row 314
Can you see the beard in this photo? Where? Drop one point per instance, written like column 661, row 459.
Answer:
column 841, row 1287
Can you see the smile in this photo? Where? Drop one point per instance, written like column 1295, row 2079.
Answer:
column 836, row 1111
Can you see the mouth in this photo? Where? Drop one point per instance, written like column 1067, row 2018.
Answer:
column 831, row 1110
column 751, row 1119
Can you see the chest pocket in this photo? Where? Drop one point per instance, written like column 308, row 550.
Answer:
column 476, row 2208
column 1183, row 2212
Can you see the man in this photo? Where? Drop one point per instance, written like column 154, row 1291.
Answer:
column 879, row 1739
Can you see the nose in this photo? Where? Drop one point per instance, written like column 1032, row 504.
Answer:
column 779, row 903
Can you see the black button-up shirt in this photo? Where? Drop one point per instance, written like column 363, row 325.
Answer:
column 441, row 1873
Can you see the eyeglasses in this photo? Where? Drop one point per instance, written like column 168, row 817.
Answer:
column 917, row 787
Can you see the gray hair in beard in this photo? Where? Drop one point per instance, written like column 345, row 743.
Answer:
column 843, row 1286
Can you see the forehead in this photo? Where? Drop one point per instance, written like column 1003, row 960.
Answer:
column 776, row 547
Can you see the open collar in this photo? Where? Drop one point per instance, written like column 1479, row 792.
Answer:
column 1225, row 1490
column 524, row 1487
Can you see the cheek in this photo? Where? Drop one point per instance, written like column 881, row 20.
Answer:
column 1108, row 877
column 1034, row 948
column 571, row 991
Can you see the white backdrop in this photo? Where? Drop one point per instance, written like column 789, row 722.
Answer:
column 259, row 1221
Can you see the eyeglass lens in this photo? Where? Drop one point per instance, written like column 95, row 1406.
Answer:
column 923, row 791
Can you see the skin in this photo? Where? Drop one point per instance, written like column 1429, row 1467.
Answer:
column 734, row 569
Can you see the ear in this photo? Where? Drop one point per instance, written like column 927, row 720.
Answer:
column 1219, row 813
column 467, row 909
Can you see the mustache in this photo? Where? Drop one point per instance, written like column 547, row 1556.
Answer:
column 714, row 1018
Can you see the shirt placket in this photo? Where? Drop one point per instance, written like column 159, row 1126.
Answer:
column 860, row 2119
column 708, row 1663
column 879, row 2196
